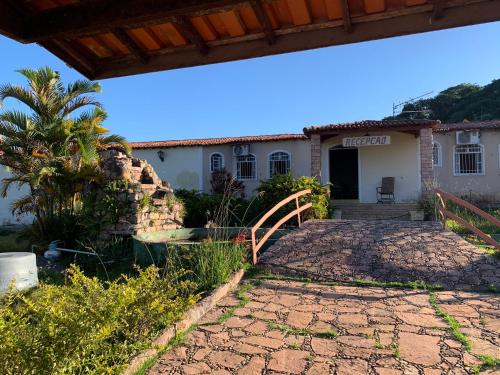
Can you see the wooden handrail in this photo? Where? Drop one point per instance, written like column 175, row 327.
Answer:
column 445, row 214
column 257, row 245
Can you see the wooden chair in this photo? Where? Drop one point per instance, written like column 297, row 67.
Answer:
column 385, row 193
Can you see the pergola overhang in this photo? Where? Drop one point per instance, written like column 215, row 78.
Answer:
column 110, row 38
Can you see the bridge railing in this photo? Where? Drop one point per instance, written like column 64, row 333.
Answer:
column 257, row 244
column 445, row 213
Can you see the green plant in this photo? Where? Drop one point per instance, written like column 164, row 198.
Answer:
column 146, row 204
column 172, row 201
column 102, row 207
column 453, row 324
column 12, row 241
column 223, row 182
column 282, row 186
column 210, row 263
column 430, row 206
column 223, row 209
column 489, row 362
column 86, row 326
column 395, row 350
column 53, row 147
column 476, row 220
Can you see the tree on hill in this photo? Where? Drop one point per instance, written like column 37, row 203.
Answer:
column 458, row 103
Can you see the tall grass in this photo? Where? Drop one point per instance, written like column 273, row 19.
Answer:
column 209, row 264
column 476, row 220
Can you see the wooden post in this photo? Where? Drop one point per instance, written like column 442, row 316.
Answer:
column 298, row 212
column 254, row 247
column 445, row 210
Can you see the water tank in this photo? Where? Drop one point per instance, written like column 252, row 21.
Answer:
column 20, row 267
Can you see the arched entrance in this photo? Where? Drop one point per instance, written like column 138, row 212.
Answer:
column 344, row 177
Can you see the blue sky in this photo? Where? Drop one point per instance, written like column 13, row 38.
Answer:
column 282, row 94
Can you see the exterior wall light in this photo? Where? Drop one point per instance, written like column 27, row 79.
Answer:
column 161, row 155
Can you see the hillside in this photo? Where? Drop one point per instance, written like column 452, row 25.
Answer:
column 458, row 103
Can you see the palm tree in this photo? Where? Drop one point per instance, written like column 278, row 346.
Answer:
column 53, row 147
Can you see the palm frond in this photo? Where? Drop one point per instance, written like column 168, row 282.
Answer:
column 22, row 206
column 114, row 139
column 78, row 103
column 19, row 93
column 15, row 118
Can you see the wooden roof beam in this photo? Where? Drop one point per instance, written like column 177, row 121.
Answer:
column 131, row 45
column 90, row 18
column 11, row 21
column 370, row 27
column 264, row 20
column 438, row 10
column 346, row 16
column 190, row 32
column 75, row 59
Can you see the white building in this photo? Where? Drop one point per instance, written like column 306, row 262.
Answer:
column 463, row 159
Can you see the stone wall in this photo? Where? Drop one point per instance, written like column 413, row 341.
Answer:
column 426, row 172
column 316, row 156
column 149, row 204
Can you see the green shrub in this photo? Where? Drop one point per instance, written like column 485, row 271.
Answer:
column 281, row 186
column 225, row 210
column 87, row 327
column 210, row 263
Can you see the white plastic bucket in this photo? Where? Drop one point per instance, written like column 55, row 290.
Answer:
column 20, row 268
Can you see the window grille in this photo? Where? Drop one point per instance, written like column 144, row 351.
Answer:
column 245, row 167
column 279, row 163
column 436, row 154
column 216, row 162
column 469, row 159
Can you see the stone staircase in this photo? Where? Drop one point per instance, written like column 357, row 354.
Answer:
column 373, row 211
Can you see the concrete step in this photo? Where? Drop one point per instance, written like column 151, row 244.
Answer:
column 374, row 211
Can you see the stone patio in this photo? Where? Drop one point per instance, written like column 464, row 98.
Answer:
column 390, row 250
column 379, row 332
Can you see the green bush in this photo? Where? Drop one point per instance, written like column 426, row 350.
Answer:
column 281, row 186
column 86, row 326
column 200, row 208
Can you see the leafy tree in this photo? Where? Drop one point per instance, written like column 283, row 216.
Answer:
column 52, row 147
column 458, row 103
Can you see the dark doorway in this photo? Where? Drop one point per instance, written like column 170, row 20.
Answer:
column 344, row 173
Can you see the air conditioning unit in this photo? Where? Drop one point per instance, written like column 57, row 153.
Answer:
column 241, row 150
column 466, row 137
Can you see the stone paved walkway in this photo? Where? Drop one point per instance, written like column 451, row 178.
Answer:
column 382, row 250
column 380, row 332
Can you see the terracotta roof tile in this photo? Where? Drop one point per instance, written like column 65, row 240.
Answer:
column 217, row 141
column 443, row 128
column 371, row 124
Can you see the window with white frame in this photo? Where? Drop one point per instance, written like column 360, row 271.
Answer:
column 436, row 154
column 279, row 163
column 245, row 167
column 469, row 160
column 216, row 162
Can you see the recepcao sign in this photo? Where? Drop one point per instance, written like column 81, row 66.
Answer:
column 370, row 140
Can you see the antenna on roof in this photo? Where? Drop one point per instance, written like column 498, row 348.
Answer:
column 396, row 106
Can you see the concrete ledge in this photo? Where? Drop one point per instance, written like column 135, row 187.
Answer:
column 192, row 316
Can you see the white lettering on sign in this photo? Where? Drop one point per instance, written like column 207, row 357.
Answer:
column 375, row 140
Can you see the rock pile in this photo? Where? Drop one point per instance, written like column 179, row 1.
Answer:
column 150, row 202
